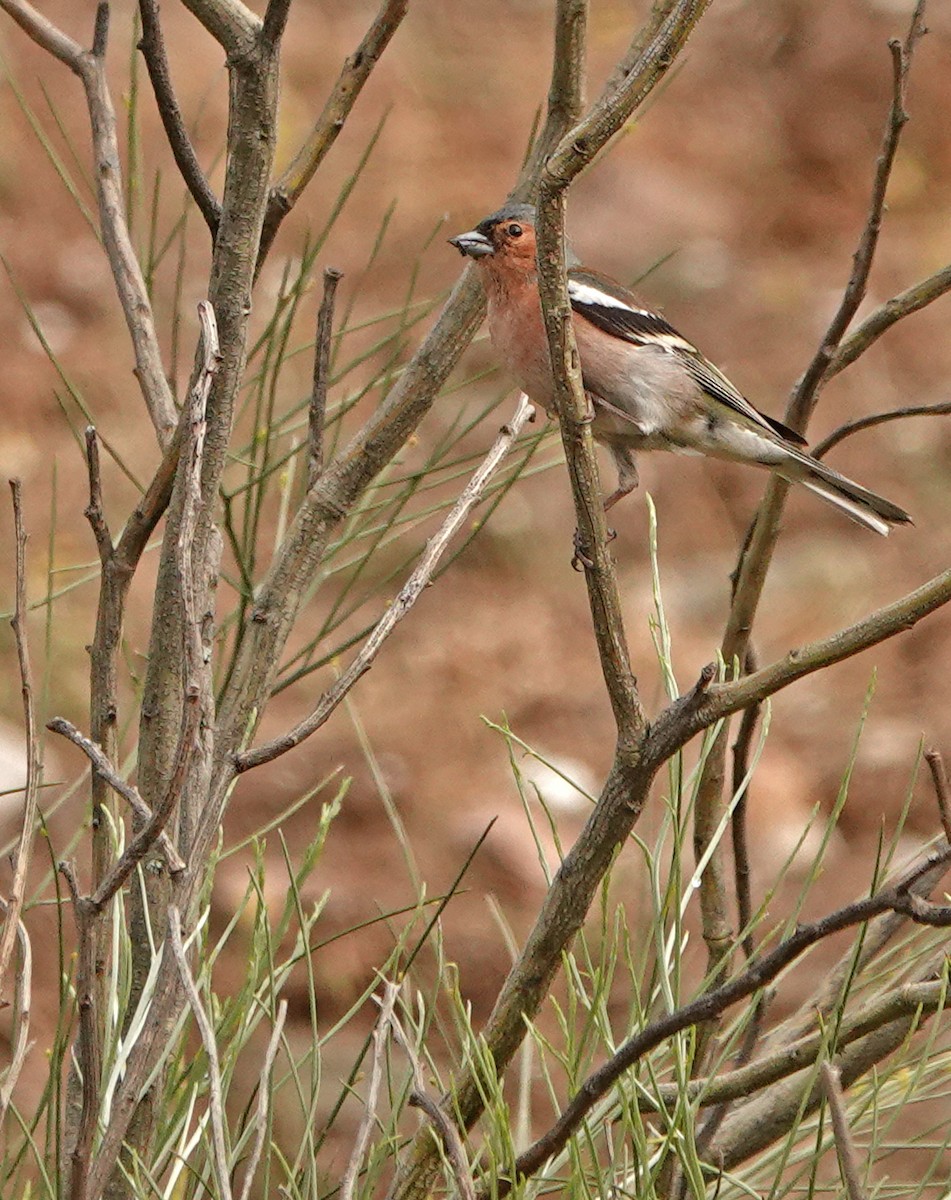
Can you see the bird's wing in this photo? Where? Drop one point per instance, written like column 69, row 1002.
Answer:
column 613, row 309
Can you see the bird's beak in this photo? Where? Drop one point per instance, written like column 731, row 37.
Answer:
column 473, row 243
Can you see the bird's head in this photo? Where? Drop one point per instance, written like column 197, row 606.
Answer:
column 507, row 237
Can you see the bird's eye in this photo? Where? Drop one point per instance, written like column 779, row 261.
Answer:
column 515, row 231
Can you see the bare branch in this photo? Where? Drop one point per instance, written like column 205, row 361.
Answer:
column 24, row 848
column 130, row 285
column 22, row 995
column 397, row 610
column 230, row 22
column 216, row 1102
column 438, row 1118
column 275, row 19
column 140, row 845
column 726, row 698
column 264, row 1100
column 895, row 414
column 94, row 510
column 355, row 72
column 381, row 1032
column 755, row 559
column 88, row 1047
column 844, row 1143
column 706, row 1008
column 942, row 794
column 152, row 46
column 104, row 768
column 806, row 391
column 741, row 854
column 655, row 49
column 318, row 395
column 789, row 1058
column 45, row 33
column 888, row 314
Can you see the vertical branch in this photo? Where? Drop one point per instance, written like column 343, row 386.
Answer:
column 88, row 1043
column 939, row 778
column 22, row 998
column 381, row 1033
column 216, row 1102
column 844, row 1143
column 757, row 554
column 318, row 396
column 126, row 272
column 152, row 45
column 24, row 848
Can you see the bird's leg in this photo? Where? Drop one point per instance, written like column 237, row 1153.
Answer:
column 627, row 480
column 627, row 477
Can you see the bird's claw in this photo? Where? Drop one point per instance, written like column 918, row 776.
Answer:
column 580, row 560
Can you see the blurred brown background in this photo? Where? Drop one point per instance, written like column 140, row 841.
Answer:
column 748, row 176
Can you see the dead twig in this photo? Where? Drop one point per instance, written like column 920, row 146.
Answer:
column 104, row 768
column 95, row 514
column 397, row 610
column 806, row 391
column 381, row 1032
column 24, row 850
column 216, row 1103
column 318, row 395
column 353, row 76
column 896, row 414
column 22, row 997
column 939, row 778
column 264, row 1100
column 152, row 46
column 145, row 838
column 438, row 1117
column 90, row 67
column 844, row 1142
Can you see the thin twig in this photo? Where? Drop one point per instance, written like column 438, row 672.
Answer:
column 104, row 768
column 230, row 22
column 95, row 514
column 152, row 45
column 216, row 1103
column 130, row 285
column 354, row 74
column 681, row 721
column 397, row 610
column 88, row 1047
column 918, row 296
column 844, row 1142
column 438, row 1117
column 741, row 853
column 755, row 560
column 264, row 1100
column 22, row 996
column 24, row 849
column 942, row 794
column 806, row 392
column 44, row 33
column 895, row 414
column 318, row 394
column 740, row 1083
column 380, row 1034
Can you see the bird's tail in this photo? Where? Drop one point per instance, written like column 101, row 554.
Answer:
column 869, row 509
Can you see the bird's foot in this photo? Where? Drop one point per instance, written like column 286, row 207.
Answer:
column 580, row 560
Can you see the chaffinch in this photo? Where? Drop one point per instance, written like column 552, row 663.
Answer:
column 649, row 387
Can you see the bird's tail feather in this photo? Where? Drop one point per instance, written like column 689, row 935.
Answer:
column 869, row 509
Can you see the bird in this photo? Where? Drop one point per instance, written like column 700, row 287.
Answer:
column 650, row 388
